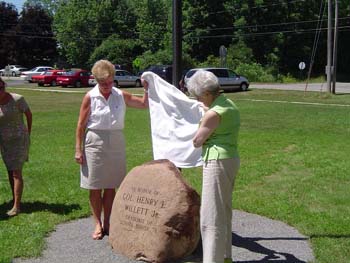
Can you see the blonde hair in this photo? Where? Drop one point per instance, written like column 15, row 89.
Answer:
column 102, row 70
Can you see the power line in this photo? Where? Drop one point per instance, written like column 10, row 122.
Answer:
column 255, row 34
column 264, row 25
column 230, row 28
column 256, row 7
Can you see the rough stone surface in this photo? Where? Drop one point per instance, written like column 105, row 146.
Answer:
column 155, row 214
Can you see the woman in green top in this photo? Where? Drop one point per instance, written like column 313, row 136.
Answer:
column 217, row 135
column 14, row 140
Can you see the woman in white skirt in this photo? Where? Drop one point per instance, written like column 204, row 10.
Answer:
column 217, row 135
column 100, row 145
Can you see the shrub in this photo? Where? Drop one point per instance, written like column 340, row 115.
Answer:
column 254, row 72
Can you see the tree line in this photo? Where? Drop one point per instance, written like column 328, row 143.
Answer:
column 265, row 39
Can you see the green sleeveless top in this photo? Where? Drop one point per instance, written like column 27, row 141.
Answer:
column 223, row 142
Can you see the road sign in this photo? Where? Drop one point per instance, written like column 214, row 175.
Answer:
column 302, row 65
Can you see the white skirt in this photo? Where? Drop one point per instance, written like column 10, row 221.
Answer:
column 105, row 162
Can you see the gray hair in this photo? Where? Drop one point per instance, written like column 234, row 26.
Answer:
column 203, row 81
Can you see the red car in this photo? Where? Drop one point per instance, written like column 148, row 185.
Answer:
column 48, row 77
column 76, row 78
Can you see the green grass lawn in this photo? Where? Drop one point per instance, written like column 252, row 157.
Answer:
column 294, row 167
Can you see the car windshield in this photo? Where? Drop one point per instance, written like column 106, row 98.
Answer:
column 190, row 73
column 70, row 73
column 34, row 69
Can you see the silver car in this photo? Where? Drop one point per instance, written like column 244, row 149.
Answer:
column 228, row 79
column 27, row 75
column 12, row 70
column 126, row 79
column 122, row 78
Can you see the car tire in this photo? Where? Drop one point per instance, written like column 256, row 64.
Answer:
column 138, row 83
column 40, row 84
column 244, row 86
column 116, row 83
column 64, row 86
column 53, row 83
column 77, row 84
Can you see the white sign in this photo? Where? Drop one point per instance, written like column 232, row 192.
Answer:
column 302, row 65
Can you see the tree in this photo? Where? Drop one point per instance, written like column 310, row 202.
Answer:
column 207, row 25
column 81, row 26
column 8, row 23
column 50, row 6
column 118, row 51
column 280, row 33
column 152, row 19
column 36, row 42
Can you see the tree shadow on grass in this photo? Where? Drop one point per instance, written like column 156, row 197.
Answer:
column 37, row 206
column 341, row 94
column 330, row 236
column 274, row 256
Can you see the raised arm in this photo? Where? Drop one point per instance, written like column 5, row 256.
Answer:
column 81, row 126
column 135, row 101
column 210, row 122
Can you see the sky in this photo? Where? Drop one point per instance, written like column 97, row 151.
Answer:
column 17, row 3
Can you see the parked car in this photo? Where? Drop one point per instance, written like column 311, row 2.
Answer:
column 48, row 77
column 163, row 71
column 76, row 78
column 228, row 79
column 126, row 79
column 122, row 78
column 14, row 70
column 27, row 75
column 92, row 80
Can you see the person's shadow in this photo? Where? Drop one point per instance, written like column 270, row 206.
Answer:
column 30, row 207
column 251, row 244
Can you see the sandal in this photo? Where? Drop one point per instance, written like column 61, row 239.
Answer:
column 97, row 235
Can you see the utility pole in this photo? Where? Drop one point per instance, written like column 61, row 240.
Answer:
column 177, row 41
column 335, row 47
column 329, row 47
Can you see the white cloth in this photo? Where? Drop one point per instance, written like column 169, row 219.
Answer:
column 106, row 114
column 174, row 122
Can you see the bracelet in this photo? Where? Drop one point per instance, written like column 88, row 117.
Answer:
column 145, row 90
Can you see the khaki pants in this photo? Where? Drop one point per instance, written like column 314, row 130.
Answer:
column 216, row 209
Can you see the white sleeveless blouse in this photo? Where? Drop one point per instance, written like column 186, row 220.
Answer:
column 106, row 114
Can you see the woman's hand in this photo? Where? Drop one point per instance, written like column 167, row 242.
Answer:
column 79, row 157
column 144, row 84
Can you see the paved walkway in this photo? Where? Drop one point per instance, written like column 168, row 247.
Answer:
column 256, row 239
column 341, row 87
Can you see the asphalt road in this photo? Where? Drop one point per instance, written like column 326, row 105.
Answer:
column 341, row 87
column 256, row 239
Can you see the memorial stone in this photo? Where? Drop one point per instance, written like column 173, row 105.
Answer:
column 155, row 214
